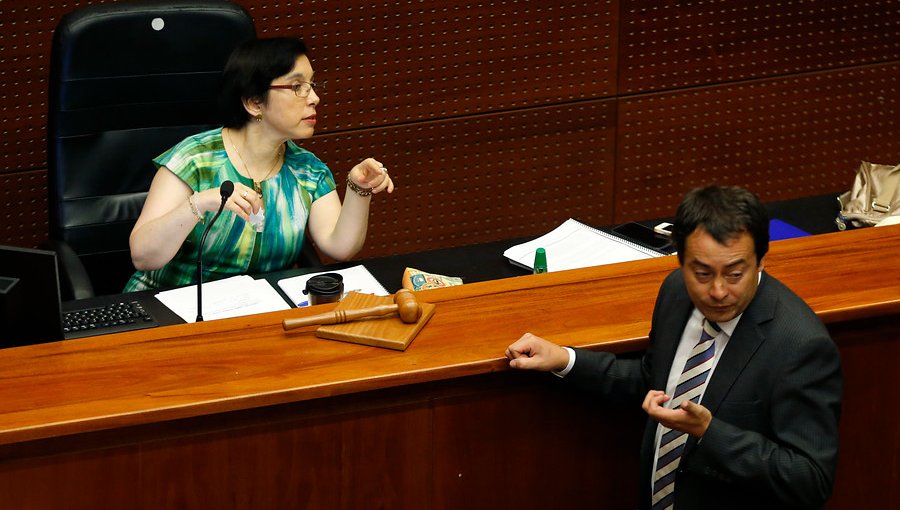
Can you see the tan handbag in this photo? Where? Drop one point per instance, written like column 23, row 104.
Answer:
column 875, row 196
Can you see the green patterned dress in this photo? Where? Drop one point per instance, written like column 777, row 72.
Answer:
column 232, row 246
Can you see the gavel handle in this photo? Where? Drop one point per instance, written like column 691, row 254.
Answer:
column 338, row 316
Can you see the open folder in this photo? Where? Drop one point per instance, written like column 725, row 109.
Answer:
column 573, row 245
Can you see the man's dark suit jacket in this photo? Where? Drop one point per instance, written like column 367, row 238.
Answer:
column 774, row 395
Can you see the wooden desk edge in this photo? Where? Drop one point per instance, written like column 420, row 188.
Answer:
column 854, row 311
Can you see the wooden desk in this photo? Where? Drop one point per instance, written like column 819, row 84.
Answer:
column 240, row 414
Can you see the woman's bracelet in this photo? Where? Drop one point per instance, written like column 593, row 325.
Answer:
column 356, row 188
column 194, row 208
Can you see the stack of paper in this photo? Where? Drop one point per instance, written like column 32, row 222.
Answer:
column 231, row 297
column 574, row 245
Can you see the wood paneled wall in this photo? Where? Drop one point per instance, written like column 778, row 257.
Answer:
column 500, row 119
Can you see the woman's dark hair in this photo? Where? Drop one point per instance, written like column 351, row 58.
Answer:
column 724, row 212
column 250, row 70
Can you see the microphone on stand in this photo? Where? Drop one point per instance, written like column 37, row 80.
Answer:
column 226, row 189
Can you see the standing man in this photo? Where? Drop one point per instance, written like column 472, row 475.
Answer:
column 741, row 381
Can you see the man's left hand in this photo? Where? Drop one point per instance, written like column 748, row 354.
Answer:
column 690, row 418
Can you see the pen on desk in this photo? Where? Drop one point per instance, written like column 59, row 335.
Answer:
column 302, row 303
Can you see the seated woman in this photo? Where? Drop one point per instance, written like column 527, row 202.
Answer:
column 280, row 189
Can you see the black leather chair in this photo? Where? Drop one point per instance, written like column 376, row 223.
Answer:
column 127, row 81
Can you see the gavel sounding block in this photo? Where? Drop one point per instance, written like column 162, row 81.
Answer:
column 386, row 331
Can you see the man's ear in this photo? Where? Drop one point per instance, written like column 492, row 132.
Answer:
column 762, row 263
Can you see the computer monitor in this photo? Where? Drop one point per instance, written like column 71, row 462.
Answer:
column 30, row 309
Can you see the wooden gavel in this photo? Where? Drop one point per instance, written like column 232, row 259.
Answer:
column 405, row 305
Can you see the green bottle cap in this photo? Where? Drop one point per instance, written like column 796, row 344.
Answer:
column 540, row 261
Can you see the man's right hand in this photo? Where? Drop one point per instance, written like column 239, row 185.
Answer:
column 534, row 353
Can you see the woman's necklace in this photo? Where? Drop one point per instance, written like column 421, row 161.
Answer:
column 257, row 184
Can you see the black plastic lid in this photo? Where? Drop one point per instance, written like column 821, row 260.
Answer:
column 328, row 284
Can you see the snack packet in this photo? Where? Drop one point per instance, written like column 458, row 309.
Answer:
column 414, row 279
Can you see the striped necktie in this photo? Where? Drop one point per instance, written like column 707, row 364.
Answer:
column 690, row 386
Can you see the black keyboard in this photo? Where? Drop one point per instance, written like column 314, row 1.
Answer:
column 109, row 318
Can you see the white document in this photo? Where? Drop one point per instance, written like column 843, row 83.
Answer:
column 356, row 279
column 573, row 245
column 230, row 297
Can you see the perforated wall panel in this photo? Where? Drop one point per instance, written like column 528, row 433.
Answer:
column 493, row 111
column 783, row 138
column 477, row 179
column 26, row 29
column 667, row 45
column 390, row 62
column 23, row 196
